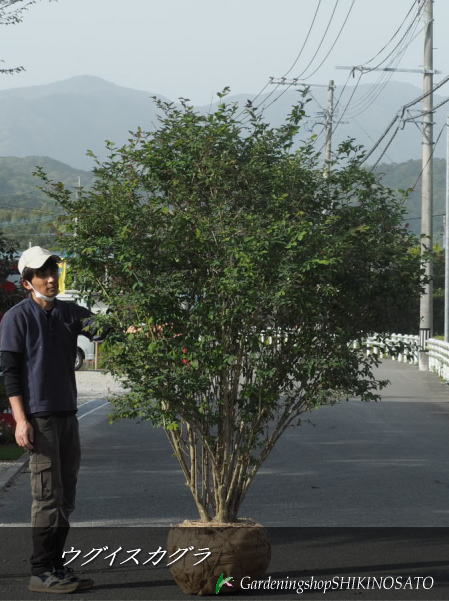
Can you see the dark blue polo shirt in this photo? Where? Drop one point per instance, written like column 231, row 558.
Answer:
column 47, row 340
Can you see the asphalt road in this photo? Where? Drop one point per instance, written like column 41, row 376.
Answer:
column 351, row 465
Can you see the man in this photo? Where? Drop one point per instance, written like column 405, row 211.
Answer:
column 38, row 348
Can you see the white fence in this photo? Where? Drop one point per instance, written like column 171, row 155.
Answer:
column 405, row 348
column 400, row 347
column 439, row 357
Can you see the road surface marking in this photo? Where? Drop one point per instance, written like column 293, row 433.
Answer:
column 92, row 410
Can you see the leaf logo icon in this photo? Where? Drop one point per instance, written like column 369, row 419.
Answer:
column 222, row 581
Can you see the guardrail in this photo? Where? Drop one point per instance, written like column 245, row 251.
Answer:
column 438, row 357
column 399, row 347
column 405, row 348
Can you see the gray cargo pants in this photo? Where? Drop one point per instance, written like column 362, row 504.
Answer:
column 54, row 466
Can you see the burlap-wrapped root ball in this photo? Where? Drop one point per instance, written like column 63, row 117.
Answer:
column 236, row 550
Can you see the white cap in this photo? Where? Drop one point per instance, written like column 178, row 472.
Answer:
column 35, row 257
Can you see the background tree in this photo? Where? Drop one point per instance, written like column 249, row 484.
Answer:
column 11, row 13
column 266, row 278
column 9, row 296
column 408, row 321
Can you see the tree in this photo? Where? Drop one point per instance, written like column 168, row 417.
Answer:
column 408, row 321
column 11, row 13
column 264, row 276
column 9, row 296
column 438, row 260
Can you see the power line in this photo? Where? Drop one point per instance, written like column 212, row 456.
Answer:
column 322, row 39
column 366, row 101
column 26, row 234
column 362, row 105
column 294, row 62
column 308, row 64
column 373, row 92
column 430, row 157
column 348, row 102
column 346, row 106
column 397, row 58
column 370, row 60
column 25, row 208
column 367, row 134
column 350, row 74
column 334, row 42
column 414, row 22
column 386, row 147
column 305, row 41
column 399, row 116
column 379, row 141
column 416, row 100
column 393, row 36
column 435, row 108
column 313, row 97
column 261, row 91
column 434, row 215
column 277, row 97
column 25, row 222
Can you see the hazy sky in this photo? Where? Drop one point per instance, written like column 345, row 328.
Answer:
column 193, row 48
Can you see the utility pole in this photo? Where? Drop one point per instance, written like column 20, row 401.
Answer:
column 329, row 128
column 77, row 195
column 426, row 300
column 446, row 243
column 329, row 113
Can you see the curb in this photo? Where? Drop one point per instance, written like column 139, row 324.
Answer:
column 7, row 475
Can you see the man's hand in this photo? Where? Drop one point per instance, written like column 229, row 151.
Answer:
column 24, row 430
column 25, row 434
column 156, row 330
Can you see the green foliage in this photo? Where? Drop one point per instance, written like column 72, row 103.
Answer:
column 408, row 322
column 26, row 214
column 262, row 272
column 407, row 176
column 10, row 452
column 6, row 432
column 9, row 294
column 438, row 290
column 4, row 403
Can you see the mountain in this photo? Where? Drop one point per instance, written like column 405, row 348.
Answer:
column 19, row 188
column 361, row 112
column 406, row 176
column 27, row 214
column 65, row 119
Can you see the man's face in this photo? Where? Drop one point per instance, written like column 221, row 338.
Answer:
column 45, row 281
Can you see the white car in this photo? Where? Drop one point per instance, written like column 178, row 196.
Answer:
column 85, row 351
